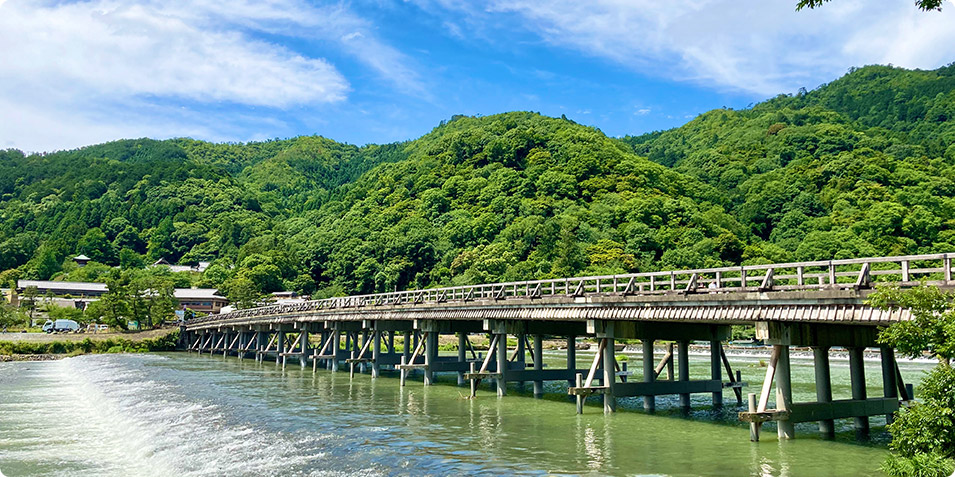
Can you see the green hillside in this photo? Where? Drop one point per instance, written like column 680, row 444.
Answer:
column 860, row 166
column 864, row 165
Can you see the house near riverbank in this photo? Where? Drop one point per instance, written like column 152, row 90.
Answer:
column 78, row 294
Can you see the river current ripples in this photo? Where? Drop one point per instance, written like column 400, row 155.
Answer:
column 180, row 414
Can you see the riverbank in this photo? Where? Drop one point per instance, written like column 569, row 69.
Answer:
column 36, row 347
column 29, row 357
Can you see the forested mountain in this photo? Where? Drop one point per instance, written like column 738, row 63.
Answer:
column 860, row 166
column 864, row 165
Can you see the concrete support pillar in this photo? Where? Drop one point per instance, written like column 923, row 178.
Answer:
column 280, row 346
column 408, row 346
column 890, row 387
column 538, row 364
column 364, row 340
column 610, row 402
column 391, row 342
column 239, row 344
column 521, row 348
column 649, row 402
column 303, row 348
column 501, row 364
column 820, row 357
column 375, row 354
column 333, row 349
column 857, row 378
column 683, row 350
column 670, row 373
column 716, row 370
column 784, row 393
column 430, row 356
column 259, row 344
column 225, row 343
column 462, row 354
column 572, row 357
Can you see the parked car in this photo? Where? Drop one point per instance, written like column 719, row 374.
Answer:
column 60, row 325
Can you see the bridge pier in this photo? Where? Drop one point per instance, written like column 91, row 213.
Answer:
column 820, row 359
column 430, row 356
column 649, row 376
column 683, row 349
column 462, row 355
column 538, row 359
column 716, row 374
column 375, row 354
column 336, row 344
column 572, row 358
column 303, row 358
column 890, row 373
column 821, row 336
column 609, row 363
column 857, row 383
column 279, row 346
column 785, row 429
column 260, row 341
column 816, row 304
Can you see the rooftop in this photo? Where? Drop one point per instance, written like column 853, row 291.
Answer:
column 198, row 294
column 71, row 286
column 100, row 288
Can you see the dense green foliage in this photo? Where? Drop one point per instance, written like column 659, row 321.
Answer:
column 923, row 435
column 862, row 166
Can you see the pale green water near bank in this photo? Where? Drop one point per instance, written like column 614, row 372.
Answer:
column 181, row 414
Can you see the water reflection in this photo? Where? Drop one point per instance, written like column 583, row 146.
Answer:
column 370, row 426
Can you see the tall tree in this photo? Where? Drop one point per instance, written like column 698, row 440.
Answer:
column 923, row 434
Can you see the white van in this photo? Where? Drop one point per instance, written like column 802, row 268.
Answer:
column 60, row 325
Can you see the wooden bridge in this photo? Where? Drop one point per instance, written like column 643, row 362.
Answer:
column 818, row 304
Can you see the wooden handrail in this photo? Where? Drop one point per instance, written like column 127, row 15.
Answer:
column 778, row 277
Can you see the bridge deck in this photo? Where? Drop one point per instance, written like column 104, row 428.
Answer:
column 822, row 291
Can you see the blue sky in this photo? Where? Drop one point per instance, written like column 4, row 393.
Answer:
column 375, row 71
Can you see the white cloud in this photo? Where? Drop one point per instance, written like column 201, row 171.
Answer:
column 642, row 112
column 74, row 73
column 758, row 46
column 123, row 49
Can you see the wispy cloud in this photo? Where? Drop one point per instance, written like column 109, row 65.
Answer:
column 77, row 66
column 761, row 47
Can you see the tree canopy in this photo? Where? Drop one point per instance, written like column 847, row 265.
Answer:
column 864, row 165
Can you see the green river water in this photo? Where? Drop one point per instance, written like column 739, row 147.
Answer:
column 183, row 414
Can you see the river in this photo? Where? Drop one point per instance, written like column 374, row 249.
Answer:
column 174, row 414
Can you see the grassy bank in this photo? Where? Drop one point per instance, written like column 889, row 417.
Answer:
column 166, row 342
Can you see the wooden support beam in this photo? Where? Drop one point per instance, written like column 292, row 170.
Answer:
column 665, row 362
column 598, row 356
column 729, row 372
column 768, row 380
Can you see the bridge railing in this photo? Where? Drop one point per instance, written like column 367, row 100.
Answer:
column 855, row 273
